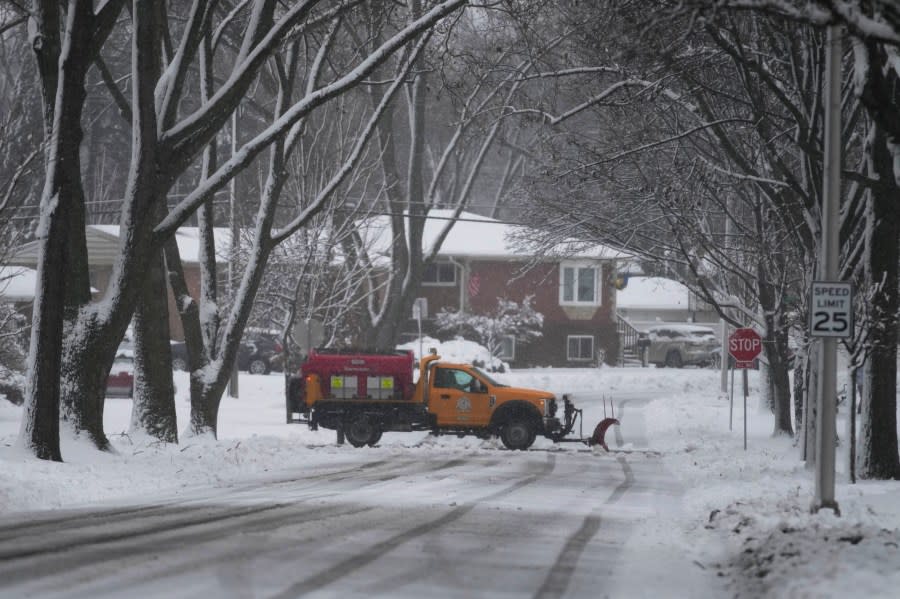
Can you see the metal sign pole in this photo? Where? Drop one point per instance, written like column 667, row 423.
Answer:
column 852, row 424
column 825, row 415
column 746, row 392
column 731, row 403
column 723, row 367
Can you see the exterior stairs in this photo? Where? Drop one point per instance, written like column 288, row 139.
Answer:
column 630, row 351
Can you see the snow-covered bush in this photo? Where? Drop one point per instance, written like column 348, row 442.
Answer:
column 509, row 318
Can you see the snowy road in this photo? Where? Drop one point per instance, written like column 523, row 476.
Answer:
column 389, row 522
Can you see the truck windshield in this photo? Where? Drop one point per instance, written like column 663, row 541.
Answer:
column 487, row 378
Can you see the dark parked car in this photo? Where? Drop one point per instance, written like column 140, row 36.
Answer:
column 259, row 353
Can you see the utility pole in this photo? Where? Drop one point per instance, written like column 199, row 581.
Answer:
column 825, row 394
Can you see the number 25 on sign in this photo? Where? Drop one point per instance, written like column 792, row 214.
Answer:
column 831, row 309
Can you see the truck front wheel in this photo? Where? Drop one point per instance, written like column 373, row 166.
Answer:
column 518, row 433
column 361, row 431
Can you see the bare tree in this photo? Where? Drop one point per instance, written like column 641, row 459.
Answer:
column 64, row 53
column 426, row 164
column 662, row 154
column 873, row 29
column 164, row 145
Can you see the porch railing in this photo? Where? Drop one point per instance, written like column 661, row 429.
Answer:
column 630, row 351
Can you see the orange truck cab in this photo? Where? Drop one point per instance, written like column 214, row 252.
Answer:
column 362, row 395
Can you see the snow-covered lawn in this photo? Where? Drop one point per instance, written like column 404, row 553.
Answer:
column 745, row 513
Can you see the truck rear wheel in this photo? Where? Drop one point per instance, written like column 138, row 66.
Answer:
column 518, row 433
column 361, row 431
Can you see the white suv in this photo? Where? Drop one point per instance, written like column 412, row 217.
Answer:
column 677, row 345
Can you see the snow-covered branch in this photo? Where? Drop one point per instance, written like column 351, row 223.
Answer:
column 353, row 159
column 303, row 107
column 830, row 12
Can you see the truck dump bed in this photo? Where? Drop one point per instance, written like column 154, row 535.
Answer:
column 354, row 375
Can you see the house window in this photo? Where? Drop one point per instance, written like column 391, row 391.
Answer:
column 439, row 273
column 580, row 347
column 579, row 284
column 506, row 349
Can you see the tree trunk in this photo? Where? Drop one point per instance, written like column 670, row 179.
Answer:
column 203, row 411
column 205, row 401
column 809, row 414
column 153, row 410
column 776, row 349
column 878, row 453
column 62, row 197
column 206, row 395
column 91, row 344
column 799, row 395
column 385, row 327
column 40, row 424
column 407, row 247
column 779, row 383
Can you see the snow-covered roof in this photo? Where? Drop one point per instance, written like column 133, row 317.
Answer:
column 17, row 284
column 103, row 246
column 188, row 239
column 654, row 293
column 477, row 236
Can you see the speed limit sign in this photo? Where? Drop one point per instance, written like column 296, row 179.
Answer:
column 831, row 309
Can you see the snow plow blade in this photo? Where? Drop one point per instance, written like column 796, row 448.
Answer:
column 573, row 416
column 599, row 436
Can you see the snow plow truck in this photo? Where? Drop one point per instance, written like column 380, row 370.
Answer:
column 362, row 395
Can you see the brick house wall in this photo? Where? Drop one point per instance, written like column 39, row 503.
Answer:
column 509, row 279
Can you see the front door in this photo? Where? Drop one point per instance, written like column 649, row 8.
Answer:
column 458, row 398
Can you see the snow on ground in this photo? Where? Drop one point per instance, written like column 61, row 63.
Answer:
column 745, row 513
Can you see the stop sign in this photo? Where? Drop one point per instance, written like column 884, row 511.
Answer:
column 744, row 345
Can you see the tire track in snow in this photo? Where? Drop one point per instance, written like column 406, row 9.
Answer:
column 561, row 572
column 358, row 561
column 46, row 539
column 109, row 560
column 170, row 558
column 230, row 558
column 105, row 560
column 78, row 519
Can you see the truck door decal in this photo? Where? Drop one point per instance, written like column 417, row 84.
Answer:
column 463, row 404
